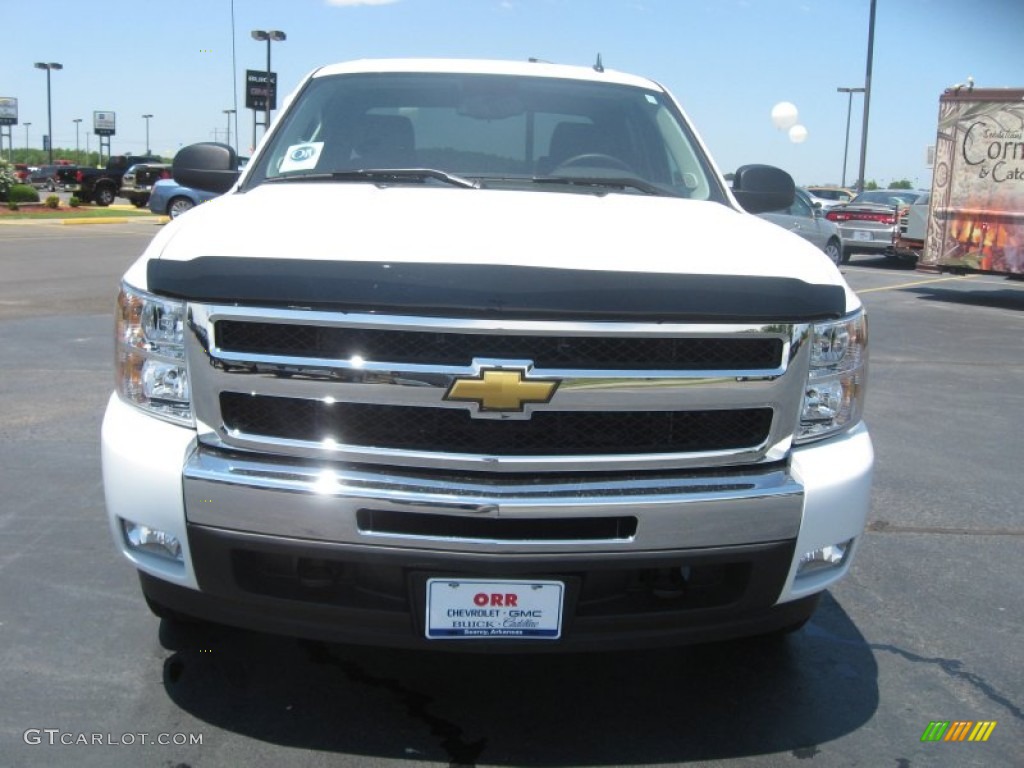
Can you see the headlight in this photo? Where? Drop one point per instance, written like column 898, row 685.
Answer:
column 151, row 370
column 837, row 378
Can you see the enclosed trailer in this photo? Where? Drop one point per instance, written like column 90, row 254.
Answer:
column 976, row 213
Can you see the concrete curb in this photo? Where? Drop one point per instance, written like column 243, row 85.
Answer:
column 103, row 220
column 76, row 222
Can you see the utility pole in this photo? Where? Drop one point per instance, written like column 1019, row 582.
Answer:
column 849, row 107
column 147, row 119
column 867, row 98
column 78, row 155
column 49, row 103
column 229, row 113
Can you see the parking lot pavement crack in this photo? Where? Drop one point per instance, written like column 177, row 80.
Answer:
column 461, row 753
column 883, row 526
column 954, row 668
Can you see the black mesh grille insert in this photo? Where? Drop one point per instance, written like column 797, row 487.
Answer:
column 454, row 431
column 436, row 348
column 493, row 529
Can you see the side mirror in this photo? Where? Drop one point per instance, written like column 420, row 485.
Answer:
column 761, row 188
column 208, row 166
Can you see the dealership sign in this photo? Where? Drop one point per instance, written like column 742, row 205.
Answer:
column 103, row 123
column 8, row 111
column 258, row 89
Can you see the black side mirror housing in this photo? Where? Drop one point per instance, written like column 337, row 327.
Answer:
column 760, row 188
column 209, row 166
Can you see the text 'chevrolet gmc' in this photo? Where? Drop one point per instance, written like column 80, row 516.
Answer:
column 485, row 356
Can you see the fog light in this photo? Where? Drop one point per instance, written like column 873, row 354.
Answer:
column 826, row 558
column 145, row 539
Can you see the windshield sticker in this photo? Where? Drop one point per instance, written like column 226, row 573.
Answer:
column 301, row 157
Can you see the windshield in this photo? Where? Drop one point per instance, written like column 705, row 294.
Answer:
column 492, row 129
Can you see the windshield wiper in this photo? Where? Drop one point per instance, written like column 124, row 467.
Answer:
column 382, row 176
column 614, row 182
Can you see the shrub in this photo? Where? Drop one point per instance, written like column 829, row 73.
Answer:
column 7, row 179
column 53, row 202
column 12, row 205
column 22, row 193
column 74, row 202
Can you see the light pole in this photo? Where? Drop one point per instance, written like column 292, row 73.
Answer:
column 26, row 134
column 268, row 35
column 49, row 111
column 867, row 96
column 849, row 106
column 229, row 113
column 147, row 118
column 78, row 154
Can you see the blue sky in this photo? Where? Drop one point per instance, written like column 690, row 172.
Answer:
column 727, row 61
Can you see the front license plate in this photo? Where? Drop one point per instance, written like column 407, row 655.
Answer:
column 477, row 609
column 860, row 234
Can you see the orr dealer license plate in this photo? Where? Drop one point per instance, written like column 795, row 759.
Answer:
column 476, row 609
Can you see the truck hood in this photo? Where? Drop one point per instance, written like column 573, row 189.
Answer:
column 571, row 230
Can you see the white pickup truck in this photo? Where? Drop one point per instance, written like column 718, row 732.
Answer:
column 486, row 356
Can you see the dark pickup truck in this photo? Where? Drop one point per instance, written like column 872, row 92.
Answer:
column 138, row 181
column 100, row 185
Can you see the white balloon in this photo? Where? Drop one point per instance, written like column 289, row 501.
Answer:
column 797, row 134
column 784, row 115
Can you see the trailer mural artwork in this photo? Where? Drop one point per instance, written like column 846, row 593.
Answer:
column 976, row 220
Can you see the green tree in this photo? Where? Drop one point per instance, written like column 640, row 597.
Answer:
column 871, row 184
column 901, row 184
column 7, row 179
column 39, row 157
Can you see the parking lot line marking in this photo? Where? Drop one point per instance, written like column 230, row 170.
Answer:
column 918, row 282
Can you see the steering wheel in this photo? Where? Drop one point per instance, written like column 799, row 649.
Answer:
column 594, row 159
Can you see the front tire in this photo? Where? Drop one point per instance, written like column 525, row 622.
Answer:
column 178, row 206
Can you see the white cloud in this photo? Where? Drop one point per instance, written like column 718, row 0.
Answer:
column 341, row 3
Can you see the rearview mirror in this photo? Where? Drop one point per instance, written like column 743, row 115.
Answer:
column 208, row 166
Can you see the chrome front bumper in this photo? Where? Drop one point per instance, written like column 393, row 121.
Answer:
column 374, row 508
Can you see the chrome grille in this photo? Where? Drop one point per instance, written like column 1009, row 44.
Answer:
column 371, row 389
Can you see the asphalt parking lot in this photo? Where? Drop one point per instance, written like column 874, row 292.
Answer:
column 927, row 626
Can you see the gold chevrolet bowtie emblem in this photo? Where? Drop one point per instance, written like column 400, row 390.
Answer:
column 501, row 390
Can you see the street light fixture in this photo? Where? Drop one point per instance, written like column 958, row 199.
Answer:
column 78, row 154
column 268, row 35
column 146, row 118
column 229, row 113
column 49, row 111
column 849, row 106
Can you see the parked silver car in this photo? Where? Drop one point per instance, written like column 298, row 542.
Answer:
column 834, row 195
column 807, row 220
column 870, row 222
